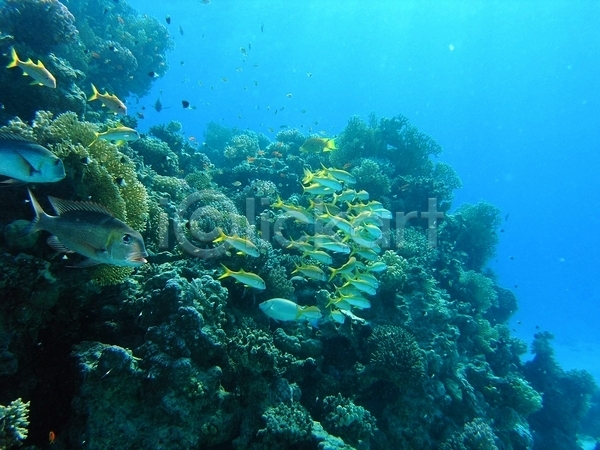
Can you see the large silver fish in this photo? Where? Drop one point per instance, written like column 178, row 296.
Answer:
column 25, row 161
column 90, row 230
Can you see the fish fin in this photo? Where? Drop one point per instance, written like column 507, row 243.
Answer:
column 85, row 263
column 119, row 143
column 11, row 182
column 39, row 212
column 15, row 58
column 62, row 206
column 95, row 94
column 57, row 246
column 95, row 140
column 35, row 83
column 40, row 64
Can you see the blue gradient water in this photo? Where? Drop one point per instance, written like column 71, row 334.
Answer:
column 509, row 89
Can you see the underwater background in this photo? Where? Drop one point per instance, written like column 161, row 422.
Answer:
column 488, row 339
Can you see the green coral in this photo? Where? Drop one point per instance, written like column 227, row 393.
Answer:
column 395, row 356
column 158, row 155
column 478, row 290
column 242, row 146
column 175, row 188
column 476, row 435
column 285, row 425
column 354, row 424
column 370, row 176
column 475, row 233
column 14, row 420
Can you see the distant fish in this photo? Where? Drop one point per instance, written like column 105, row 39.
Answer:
column 25, row 161
column 168, row 19
column 185, row 104
column 152, row 74
column 158, row 105
column 111, row 101
column 38, row 72
column 180, row 30
column 90, row 230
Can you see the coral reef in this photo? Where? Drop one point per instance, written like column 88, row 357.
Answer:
column 168, row 356
column 54, row 23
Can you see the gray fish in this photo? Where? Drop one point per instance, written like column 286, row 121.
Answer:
column 90, row 230
column 25, row 161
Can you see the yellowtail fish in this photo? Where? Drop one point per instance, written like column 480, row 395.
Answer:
column 90, row 230
column 362, row 286
column 25, row 161
column 337, row 316
column 339, row 222
column 362, row 195
column 287, row 310
column 336, row 247
column 319, row 255
column 340, row 175
column 345, row 269
column 345, row 197
column 378, row 266
column 311, row 271
column 120, row 134
column 315, row 145
column 355, row 301
column 38, row 72
column 366, row 253
column 328, row 182
column 242, row 245
column 111, row 101
column 248, row 279
column 317, row 189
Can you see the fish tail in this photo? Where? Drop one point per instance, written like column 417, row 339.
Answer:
column 15, row 58
column 95, row 140
column 333, row 274
column 39, row 213
column 227, row 273
column 222, row 236
column 330, row 145
column 94, row 95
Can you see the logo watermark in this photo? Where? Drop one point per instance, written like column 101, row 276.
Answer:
column 188, row 233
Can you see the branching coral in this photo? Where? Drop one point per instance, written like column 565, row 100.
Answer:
column 14, row 420
column 394, row 355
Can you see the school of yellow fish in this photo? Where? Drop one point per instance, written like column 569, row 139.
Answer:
column 345, row 223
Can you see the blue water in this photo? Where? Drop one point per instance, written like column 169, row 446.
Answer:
column 510, row 90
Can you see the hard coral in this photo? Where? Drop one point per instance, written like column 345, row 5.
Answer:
column 14, row 420
column 39, row 24
column 395, row 355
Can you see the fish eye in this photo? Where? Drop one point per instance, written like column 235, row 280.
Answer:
column 57, row 162
column 127, row 239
